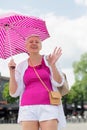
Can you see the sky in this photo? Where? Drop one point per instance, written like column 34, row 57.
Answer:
column 66, row 21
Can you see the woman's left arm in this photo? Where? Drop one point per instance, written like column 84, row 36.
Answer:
column 56, row 74
column 52, row 59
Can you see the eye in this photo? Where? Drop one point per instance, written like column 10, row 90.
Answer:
column 37, row 41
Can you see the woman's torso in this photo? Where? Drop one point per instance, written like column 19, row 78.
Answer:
column 35, row 93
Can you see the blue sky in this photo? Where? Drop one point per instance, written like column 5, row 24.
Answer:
column 67, row 24
column 67, row 8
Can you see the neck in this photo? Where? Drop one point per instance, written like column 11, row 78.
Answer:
column 35, row 59
column 35, row 56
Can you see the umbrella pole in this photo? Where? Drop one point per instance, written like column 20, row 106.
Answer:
column 13, row 67
column 9, row 43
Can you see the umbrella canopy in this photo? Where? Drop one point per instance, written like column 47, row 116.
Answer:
column 14, row 29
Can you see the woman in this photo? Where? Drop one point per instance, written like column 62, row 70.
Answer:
column 35, row 110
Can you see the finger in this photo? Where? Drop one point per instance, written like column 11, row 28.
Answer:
column 48, row 57
column 12, row 67
column 58, row 53
column 59, row 50
column 55, row 50
column 11, row 64
column 12, row 60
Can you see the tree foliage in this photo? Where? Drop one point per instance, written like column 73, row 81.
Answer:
column 6, row 96
column 78, row 90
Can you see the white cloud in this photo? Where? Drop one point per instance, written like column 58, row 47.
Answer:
column 3, row 12
column 29, row 10
column 69, row 34
column 9, row 12
column 81, row 2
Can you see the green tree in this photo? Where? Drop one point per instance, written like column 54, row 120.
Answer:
column 6, row 96
column 78, row 90
column 80, row 71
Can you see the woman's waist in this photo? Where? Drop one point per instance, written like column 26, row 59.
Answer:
column 39, row 97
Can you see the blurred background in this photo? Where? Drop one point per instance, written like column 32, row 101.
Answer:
column 67, row 24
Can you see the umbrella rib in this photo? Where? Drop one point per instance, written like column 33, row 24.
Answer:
column 17, row 32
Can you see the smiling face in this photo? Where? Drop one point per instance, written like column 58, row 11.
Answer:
column 33, row 44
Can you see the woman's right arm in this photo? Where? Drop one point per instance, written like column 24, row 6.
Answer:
column 12, row 82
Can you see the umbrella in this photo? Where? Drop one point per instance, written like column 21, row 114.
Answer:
column 14, row 29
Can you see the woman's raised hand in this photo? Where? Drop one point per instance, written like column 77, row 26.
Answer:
column 52, row 58
column 11, row 64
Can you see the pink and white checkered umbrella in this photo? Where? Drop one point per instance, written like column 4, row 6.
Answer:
column 14, row 29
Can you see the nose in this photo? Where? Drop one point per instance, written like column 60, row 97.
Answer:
column 34, row 43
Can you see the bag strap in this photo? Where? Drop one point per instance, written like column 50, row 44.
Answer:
column 40, row 78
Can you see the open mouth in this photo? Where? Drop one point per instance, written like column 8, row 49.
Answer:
column 34, row 47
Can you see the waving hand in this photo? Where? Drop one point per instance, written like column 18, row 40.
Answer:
column 52, row 58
